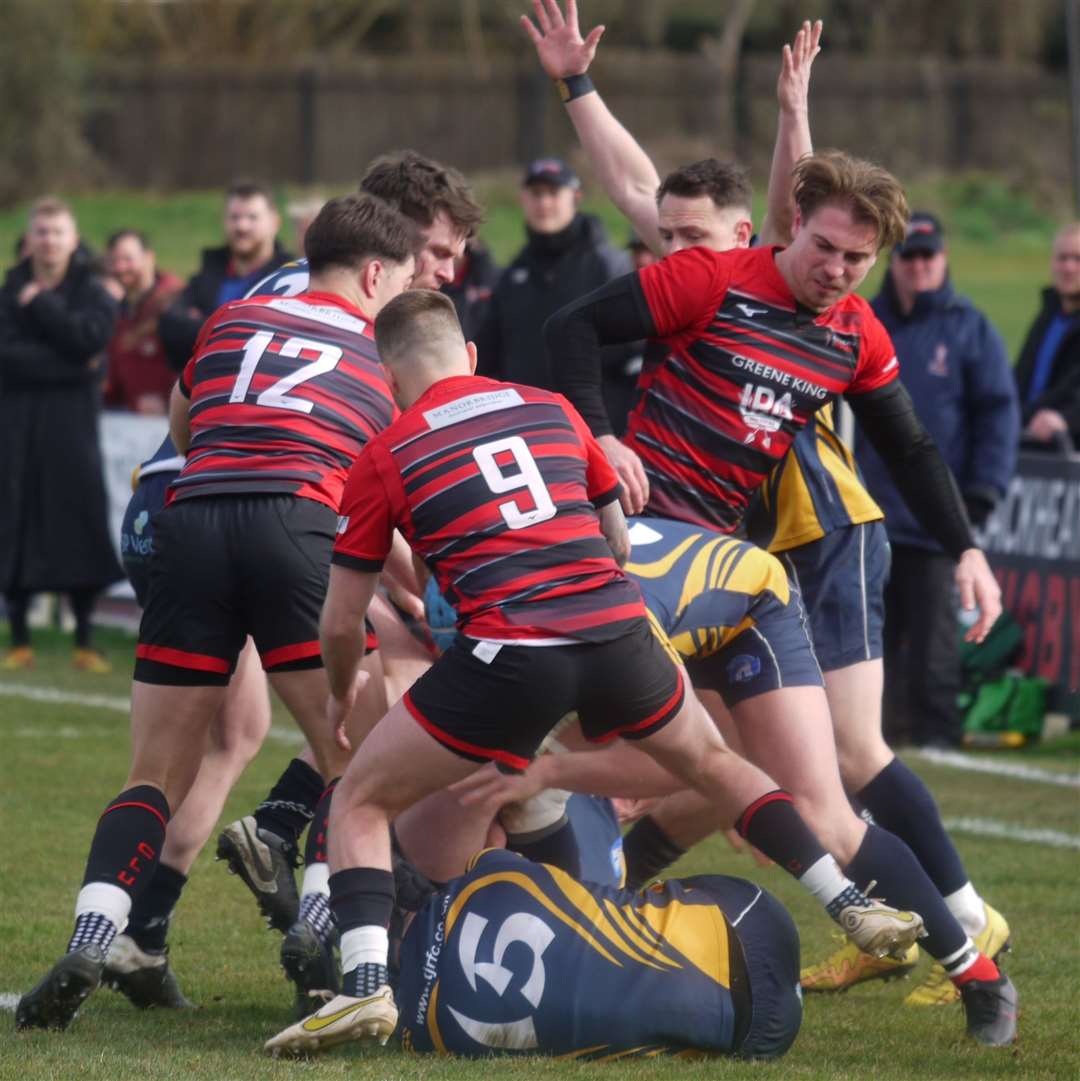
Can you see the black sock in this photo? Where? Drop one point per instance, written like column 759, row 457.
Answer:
column 315, row 845
column 290, row 804
column 886, row 860
column 555, row 845
column 18, row 607
column 148, row 923
column 127, row 843
column 773, row 826
column 902, row 804
column 648, row 850
column 82, row 607
column 361, row 897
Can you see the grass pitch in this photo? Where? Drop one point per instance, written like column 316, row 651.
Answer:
column 61, row 762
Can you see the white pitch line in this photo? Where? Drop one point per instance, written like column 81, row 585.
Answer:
column 96, row 701
column 9, row 1000
column 1015, row 770
column 988, row 827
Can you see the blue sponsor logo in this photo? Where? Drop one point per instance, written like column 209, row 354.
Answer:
column 743, row 668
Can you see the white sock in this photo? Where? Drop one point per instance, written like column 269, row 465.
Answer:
column 110, row 901
column 368, row 945
column 825, row 880
column 316, row 879
column 968, row 908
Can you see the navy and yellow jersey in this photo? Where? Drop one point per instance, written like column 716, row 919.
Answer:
column 519, row 957
column 703, row 589
column 815, row 490
column 289, row 280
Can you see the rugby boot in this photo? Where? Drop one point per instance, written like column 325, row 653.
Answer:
column 143, row 976
column 310, row 963
column 849, row 965
column 937, row 989
column 265, row 862
column 991, row 1008
column 880, row 930
column 55, row 1001
column 371, row 1019
column 89, row 660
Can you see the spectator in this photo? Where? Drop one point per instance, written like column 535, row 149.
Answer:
column 55, row 318
column 139, row 378
column 566, row 255
column 954, row 365
column 250, row 252
column 301, row 213
column 1048, row 370
column 475, row 276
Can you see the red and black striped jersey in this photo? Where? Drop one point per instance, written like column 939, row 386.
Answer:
column 285, row 391
column 746, row 368
column 495, row 486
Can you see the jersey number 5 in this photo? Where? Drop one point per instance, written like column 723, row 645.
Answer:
column 528, row 477
column 277, row 395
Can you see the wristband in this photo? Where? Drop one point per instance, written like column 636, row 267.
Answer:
column 574, row 86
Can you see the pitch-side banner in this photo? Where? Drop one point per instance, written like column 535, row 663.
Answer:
column 1033, row 543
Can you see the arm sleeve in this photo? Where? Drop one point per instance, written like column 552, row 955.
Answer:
column 365, row 532
column 601, row 480
column 994, row 413
column 614, row 313
column 888, row 420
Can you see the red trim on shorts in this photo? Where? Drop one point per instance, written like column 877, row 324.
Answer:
column 283, row 654
column 144, row 806
column 508, row 759
column 663, row 714
column 743, row 823
column 180, row 658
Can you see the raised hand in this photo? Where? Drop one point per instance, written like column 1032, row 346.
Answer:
column 793, row 86
column 559, row 45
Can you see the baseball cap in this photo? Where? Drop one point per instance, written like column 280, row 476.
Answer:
column 924, row 234
column 551, row 171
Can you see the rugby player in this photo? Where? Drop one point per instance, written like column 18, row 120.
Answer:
column 760, row 339
column 283, row 395
column 518, row 957
column 262, row 848
column 493, row 485
column 813, row 511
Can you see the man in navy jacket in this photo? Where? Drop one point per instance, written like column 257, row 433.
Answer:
column 954, row 365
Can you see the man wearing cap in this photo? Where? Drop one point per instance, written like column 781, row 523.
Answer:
column 566, row 255
column 954, row 365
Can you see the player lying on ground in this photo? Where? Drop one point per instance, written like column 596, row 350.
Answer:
column 813, row 511
column 549, row 625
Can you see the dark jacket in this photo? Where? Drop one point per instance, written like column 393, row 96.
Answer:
column 471, row 290
column 954, row 365
column 550, row 272
column 54, row 532
column 1062, row 392
column 181, row 322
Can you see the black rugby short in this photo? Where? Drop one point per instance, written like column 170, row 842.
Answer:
column 501, row 709
column 225, row 567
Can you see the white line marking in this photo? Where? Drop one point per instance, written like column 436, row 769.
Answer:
column 96, row 701
column 987, row 827
column 9, row 1000
column 1015, row 770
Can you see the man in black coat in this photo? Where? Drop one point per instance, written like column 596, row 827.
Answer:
column 55, row 318
column 251, row 251
column 1048, row 370
column 566, row 255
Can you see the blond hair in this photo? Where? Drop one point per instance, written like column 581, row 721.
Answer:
column 871, row 193
column 418, row 325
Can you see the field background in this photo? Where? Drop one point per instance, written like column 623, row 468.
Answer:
column 999, row 239
column 62, row 762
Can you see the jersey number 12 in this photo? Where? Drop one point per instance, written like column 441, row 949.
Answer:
column 277, row 395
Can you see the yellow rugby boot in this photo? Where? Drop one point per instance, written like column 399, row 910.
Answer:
column 89, row 660
column 937, row 989
column 19, row 659
column 849, row 965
